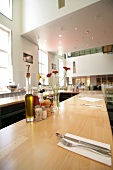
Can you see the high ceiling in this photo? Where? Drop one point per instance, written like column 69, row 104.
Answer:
column 86, row 28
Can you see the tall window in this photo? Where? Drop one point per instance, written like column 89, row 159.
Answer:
column 43, row 66
column 5, row 56
column 61, row 72
column 6, row 8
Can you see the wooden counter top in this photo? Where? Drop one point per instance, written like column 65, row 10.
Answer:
column 33, row 146
column 17, row 99
column 11, row 92
column 11, row 100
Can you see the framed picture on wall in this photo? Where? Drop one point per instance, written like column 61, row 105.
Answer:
column 27, row 58
column 53, row 66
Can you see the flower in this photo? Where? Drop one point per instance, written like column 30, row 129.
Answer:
column 54, row 83
column 54, row 79
column 49, row 74
column 55, row 72
column 66, row 68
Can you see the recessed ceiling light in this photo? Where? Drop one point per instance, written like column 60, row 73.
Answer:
column 92, row 38
column 59, row 42
column 60, row 35
column 45, row 40
column 86, row 32
column 76, row 28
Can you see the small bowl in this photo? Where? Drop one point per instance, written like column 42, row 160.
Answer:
column 12, row 87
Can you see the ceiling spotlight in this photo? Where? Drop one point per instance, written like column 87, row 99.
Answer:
column 76, row 28
column 60, row 35
column 92, row 38
column 86, row 32
column 59, row 42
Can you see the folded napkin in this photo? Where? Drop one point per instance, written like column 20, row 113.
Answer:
column 87, row 153
column 90, row 99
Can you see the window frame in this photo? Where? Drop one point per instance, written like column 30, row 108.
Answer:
column 43, row 63
column 9, row 67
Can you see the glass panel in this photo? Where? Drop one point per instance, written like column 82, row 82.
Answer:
column 77, row 53
column 4, row 38
column 93, row 50
column 40, row 68
column 61, row 73
column 43, row 69
column 87, row 51
column 6, row 8
column 99, row 49
column 3, row 59
column 82, row 52
column 4, row 74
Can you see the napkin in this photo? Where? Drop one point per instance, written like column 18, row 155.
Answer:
column 87, row 153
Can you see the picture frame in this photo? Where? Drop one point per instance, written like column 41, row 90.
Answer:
column 53, row 66
column 27, row 58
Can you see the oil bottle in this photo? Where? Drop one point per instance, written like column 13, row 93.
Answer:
column 29, row 98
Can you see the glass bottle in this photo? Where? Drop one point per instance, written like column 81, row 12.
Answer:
column 35, row 99
column 29, row 98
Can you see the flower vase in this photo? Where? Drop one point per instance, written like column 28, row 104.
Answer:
column 56, row 103
column 66, row 88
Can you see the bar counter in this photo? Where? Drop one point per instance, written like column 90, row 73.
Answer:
column 33, row 146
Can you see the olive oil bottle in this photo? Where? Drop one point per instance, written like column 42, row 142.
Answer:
column 29, row 98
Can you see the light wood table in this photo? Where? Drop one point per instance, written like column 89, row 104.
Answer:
column 33, row 146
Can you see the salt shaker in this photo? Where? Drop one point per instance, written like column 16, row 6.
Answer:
column 44, row 112
column 38, row 114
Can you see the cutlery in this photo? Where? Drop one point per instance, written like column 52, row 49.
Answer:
column 93, row 146
column 92, row 105
column 69, row 144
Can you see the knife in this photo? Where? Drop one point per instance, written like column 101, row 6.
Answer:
column 92, row 105
column 84, row 143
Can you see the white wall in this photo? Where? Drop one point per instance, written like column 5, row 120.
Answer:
column 20, row 45
column 39, row 12
column 94, row 64
column 52, row 59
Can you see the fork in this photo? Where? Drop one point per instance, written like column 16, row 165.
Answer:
column 69, row 144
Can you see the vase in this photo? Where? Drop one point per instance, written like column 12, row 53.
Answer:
column 56, row 102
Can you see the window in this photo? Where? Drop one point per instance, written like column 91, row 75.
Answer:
column 61, row 3
column 61, row 72
column 6, row 8
column 74, row 67
column 5, row 56
column 43, row 67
